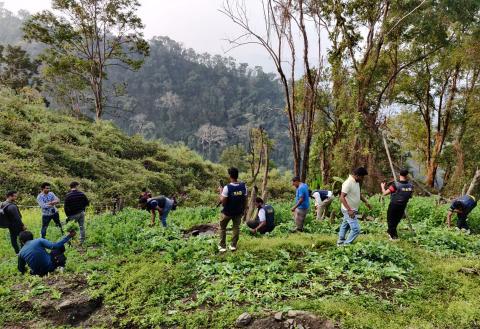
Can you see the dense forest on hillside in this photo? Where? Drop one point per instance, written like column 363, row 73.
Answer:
column 208, row 102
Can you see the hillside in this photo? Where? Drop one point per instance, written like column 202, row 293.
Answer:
column 130, row 275
column 37, row 144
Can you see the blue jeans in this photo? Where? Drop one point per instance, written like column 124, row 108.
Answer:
column 351, row 224
column 46, row 221
column 166, row 210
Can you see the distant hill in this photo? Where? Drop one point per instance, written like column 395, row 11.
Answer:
column 39, row 145
column 178, row 95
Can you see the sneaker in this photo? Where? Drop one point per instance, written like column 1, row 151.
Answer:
column 222, row 249
column 232, row 248
column 339, row 243
column 60, row 269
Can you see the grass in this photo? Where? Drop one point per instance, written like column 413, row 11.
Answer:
column 154, row 277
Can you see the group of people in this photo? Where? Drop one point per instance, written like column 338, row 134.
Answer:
column 233, row 197
column 32, row 252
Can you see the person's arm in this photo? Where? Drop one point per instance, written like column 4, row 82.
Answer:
column 449, row 217
column 364, row 199
column 55, row 201
column 40, row 202
column 21, row 265
column 343, row 200
column 385, row 192
column 152, row 212
column 223, row 195
column 299, row 202
column 50, row 245
column 86, row 201
column 263, row 221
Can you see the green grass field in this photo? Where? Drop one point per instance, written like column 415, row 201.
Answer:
column 160, row 278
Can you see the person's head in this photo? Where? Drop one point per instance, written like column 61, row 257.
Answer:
column 459, row 207
column 25, row 236
column 12, row 196
column 74, row 185
column 45, row 187
column 336, row 192
column 296, row 181
column 359, row 174
column 404, row 174
column 142, row 201
column 144, row 190
column 310, row 193
column 233, row 173
column 259, row 202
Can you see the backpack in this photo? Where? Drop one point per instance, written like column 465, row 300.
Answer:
column 4, row 220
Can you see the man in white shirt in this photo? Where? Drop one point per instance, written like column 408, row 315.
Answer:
column 350, row 198
column 323, row 199
column 265, row 221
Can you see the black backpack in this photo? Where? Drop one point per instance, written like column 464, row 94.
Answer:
column 4, row 220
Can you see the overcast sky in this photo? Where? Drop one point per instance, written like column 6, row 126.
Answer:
column 196, row 23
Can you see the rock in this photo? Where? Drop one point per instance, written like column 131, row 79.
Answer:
column 327, row 324
column 290, row 323
column 293, row 313
column 299, row 326
column 244, row 320
column 278, row 316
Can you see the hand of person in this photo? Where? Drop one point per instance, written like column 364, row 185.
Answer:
column 293, row 209
column 72, row 233
column 253, row 231
column 383, row 184
column 351, row 213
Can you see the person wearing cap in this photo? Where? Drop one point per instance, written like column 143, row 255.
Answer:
column 323, row 199
column 350, row 198
column 302, row 203
column 400, row 192
column 162, row 204
column 462, row 207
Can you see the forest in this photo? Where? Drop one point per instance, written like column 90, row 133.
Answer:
column 391, row 87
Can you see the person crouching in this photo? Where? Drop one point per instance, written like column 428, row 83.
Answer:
column 265, row 221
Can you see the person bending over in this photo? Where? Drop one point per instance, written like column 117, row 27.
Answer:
column 34, row 255
column 462, row 207
column 160, row 204
column 323, row 199
column 265, row 221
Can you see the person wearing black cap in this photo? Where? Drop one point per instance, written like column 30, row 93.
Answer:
column 350, row 198
column 400, row 192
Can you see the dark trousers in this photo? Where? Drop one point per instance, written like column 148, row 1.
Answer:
column 462, row 222
column 253, row 224
column 14, row 232
column 46, row 219
column 395, row 214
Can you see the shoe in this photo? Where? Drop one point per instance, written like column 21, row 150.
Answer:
column 60, row 269
column 232, row 248
column 339, row 244
column 222, row 249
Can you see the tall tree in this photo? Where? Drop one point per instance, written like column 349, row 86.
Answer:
column 87, row 37
column 17, row 70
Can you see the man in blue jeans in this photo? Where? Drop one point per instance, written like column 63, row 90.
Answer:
column 350, row 197
column 302, row 203
column 161, row 204
column 47, row 201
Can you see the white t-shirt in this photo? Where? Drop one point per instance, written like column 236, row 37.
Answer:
column 261, row 215
column 352, row 190
column 318, row 199
column 225, row 189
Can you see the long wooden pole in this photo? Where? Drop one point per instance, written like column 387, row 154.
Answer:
column 395, row 177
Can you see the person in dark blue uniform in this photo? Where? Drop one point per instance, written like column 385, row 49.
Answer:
column 400, row 192
column 462, row 207
column 265, row 221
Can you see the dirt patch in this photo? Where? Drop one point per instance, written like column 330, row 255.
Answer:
column 470, row 271
column 201, row 230
column 65, row 302
column 291, row 320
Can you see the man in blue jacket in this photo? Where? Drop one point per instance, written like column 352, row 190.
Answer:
column 34, row 255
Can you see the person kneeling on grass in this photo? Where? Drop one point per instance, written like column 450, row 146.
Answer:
column 265, row 221
column 462, row 206
column 161, row 204
column 34, row 255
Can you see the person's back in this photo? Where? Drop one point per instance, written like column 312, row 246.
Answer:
column 270, row 217
column 75, row 202
column 468, row 203
column 401, row 192
column 236, row 195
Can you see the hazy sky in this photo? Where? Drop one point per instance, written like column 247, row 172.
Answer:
column 196, row 23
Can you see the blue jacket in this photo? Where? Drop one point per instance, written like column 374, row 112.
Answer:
column 34, row 254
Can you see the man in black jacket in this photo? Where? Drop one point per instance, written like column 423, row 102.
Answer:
column 13, row 219
column 75, row 204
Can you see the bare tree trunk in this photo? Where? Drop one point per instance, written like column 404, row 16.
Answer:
column 251, row 204
column 265, row 172
column 473, row 189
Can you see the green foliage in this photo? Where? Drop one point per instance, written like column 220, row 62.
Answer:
column 17, row 70
column 234, row 156
column 42, row 145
